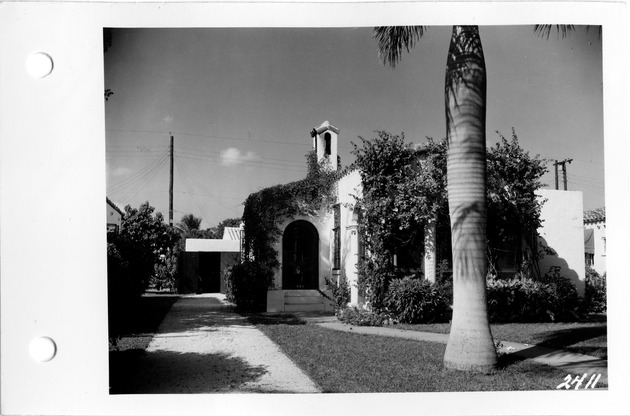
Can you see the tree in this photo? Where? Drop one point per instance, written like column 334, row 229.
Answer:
column 513, row 208
column 143, row 242
column 470, row 345
column 136, row 256
column 403, row 190
column 188, row 225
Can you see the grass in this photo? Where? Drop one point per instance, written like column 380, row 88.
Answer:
column 342, row 362
column 141, row 321
column 588, row 337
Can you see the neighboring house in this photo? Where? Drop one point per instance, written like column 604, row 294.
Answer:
column 114, row 216
column 326, row 246
column 205, row 260
column 595, row 239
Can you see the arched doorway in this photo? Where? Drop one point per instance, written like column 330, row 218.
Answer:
column 300, row 256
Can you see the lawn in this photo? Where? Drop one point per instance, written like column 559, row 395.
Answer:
column 353, row 363
column 587, row 337
column 342, row 362
column 142, row 321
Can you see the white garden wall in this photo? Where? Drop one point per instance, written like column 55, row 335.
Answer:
column 563, row 232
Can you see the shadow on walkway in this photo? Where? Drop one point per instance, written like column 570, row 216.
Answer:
column 167, row 372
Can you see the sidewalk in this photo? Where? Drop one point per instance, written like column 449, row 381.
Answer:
column 573, row 363
column 204, row 347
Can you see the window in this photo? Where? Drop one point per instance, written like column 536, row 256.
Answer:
column 328, row 145
column 589, row 259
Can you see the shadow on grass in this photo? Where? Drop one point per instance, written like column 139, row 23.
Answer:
column 273, row 319
column 142, row 316
column 562, row 360
column 566, row 337
column 168, row 372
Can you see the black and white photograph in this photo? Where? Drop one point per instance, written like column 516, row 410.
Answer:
column 355, row 210
column 313, row 208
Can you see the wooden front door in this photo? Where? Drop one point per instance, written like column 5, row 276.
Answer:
column 300, row 256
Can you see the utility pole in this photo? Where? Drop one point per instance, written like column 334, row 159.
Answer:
column 564, row 171
column 170, row 187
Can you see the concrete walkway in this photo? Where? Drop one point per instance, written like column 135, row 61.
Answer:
column 203, row 347
column 573, row 363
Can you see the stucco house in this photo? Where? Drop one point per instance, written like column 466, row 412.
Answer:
column 595, row 239
column 317, row 247
column 205, row 260
column 326, row 245
column 114, row 216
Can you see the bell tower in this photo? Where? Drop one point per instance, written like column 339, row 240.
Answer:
column 325, row 143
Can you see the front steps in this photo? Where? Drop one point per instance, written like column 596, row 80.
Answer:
column 298, row 301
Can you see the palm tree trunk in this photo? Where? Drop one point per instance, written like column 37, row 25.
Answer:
column 470, row 346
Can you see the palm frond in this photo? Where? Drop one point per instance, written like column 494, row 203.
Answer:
column 392, row 39
column 545, row 30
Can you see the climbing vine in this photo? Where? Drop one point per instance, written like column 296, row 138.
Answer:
column 266, row 209
column 513, row 209
column 403, row 188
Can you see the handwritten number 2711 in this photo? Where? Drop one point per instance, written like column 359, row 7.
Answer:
column 578, row 381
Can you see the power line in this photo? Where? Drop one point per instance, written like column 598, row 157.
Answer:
column 142, row 182
column 247, row 163
column 588, row 187
column 588, row 179
column 138, row 176
column 564, row 171
column 188, row 185
column 188, row 150
column 291, row 143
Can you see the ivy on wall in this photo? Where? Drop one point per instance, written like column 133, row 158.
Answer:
column 266, row 209
column 405, row 186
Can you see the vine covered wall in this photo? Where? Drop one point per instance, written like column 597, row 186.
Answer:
column 268, row 208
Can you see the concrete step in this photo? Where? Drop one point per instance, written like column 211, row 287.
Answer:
column 303, row 300
column 304, row 307
column 300, row 293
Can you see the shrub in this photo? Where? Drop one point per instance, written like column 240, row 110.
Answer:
column 444, row 277
column 340, row 292
column 247, row 284
column 415, row 301
column 363, row 317
column 122, row 290
column 165, row 275
column 528, row 300
column 594, row 292
column 375, row 274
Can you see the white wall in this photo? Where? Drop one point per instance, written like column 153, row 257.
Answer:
column 324, row 225
column 563, row 232
column 350, row 186
column 208, row 245
column 599, row 240
column 113, row 216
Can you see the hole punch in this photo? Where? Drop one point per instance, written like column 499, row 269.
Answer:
column 42, row 349
column 39, row 65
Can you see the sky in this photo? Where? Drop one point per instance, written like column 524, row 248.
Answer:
column 240, row 104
